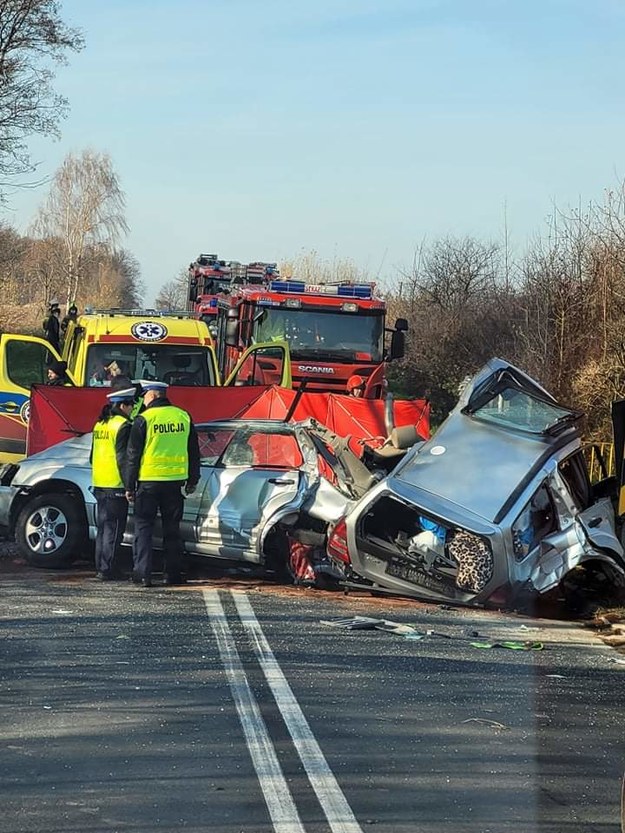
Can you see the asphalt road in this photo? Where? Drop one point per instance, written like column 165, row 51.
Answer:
column 228, row 706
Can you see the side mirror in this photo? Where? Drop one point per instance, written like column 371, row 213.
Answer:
column 402, row 325
column 398, row 345
column 232, row 333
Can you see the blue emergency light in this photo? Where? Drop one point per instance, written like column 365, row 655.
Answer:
column 354, row 290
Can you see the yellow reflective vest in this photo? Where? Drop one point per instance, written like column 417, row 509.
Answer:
column 165, row 454
column 105, row 473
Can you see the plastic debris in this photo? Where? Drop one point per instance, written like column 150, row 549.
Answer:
column 487, row 722
column 367, row 623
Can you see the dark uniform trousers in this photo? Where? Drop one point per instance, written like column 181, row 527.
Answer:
column 112, row 514
column 151, row 497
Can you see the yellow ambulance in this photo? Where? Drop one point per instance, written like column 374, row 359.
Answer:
column 105, row 345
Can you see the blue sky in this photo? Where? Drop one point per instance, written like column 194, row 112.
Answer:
column 357, row 128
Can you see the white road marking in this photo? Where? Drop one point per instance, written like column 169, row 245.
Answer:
column 333, row 803
column 279, row 800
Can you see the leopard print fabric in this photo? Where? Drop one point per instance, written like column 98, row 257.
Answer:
column 474, row 560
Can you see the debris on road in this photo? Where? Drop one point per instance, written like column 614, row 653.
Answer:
column 368, row 623
column 512, row 646
column 484, row 721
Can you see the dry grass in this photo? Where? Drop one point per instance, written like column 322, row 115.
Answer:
column 22, row 318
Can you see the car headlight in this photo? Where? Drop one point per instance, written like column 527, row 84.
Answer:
column 7, row 473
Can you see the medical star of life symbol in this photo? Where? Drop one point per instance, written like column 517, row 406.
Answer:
column 149, row 331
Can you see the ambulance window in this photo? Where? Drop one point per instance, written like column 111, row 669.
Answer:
column 26, row 362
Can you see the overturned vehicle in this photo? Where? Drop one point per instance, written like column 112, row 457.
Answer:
column 495, row 509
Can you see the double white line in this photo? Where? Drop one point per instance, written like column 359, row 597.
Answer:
column 278, row 798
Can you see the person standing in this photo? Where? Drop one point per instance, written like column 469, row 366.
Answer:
column 71, row 317
column 52, row 327
column 162, row 458
column 108, row 453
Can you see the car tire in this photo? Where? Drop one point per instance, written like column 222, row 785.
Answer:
column 50, row 530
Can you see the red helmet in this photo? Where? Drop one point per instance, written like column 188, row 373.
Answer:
column 355, row 382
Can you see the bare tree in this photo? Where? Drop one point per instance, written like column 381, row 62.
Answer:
column 461, row 311
column 173, row 294
column 32, row 38
column 85, row 206
column 310, row 267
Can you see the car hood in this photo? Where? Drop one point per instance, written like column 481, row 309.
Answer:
column 74, row 452
column 479, row 463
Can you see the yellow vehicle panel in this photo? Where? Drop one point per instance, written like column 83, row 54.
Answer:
column 23, row 361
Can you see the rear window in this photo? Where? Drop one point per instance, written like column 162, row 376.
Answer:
column 233, row 447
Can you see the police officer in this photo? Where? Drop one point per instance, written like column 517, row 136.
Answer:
column 163, row 456
column 108, row 453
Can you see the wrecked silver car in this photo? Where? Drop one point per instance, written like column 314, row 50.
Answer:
column 495, row 508
column 267, row 492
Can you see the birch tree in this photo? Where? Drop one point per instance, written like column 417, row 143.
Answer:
column 85, row 207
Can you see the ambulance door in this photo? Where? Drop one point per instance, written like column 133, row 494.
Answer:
column 263, row 364
column 23, row 362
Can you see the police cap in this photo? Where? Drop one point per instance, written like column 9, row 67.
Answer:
column 151, row 384
column 126, row 395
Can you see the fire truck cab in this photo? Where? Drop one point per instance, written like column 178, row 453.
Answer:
column 211, row 278
column 338, row 341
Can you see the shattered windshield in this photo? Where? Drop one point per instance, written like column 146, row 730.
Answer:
column 513, row 408
column 341, row 335
column 171, row 363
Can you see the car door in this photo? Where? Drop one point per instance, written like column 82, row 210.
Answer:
column 23, row 362
column 188, row 523
column 235, row 505
column 268, row 363
column 250, row 474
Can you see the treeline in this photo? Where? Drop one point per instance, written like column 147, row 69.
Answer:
column 558, row 312
column 72, row 252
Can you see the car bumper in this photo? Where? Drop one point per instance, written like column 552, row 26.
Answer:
column 7, row 494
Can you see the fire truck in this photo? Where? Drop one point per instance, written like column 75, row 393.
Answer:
column 336, row 333
column 210, row 278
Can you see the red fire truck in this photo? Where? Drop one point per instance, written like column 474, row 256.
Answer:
column 209, row 278
column 336, row 332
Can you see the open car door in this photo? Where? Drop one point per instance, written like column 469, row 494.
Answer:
column 265, row 364
column 23, row 362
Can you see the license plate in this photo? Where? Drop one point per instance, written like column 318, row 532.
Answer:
column 413, row 575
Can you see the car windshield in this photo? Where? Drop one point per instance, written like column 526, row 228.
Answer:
column 342, row 335
column 516, row 409
column 256, row 447
column 169, row 363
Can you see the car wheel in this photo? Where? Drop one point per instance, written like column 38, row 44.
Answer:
column 50, row 530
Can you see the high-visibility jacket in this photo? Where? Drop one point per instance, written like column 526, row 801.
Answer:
column 165, row 453
column 105, row 471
